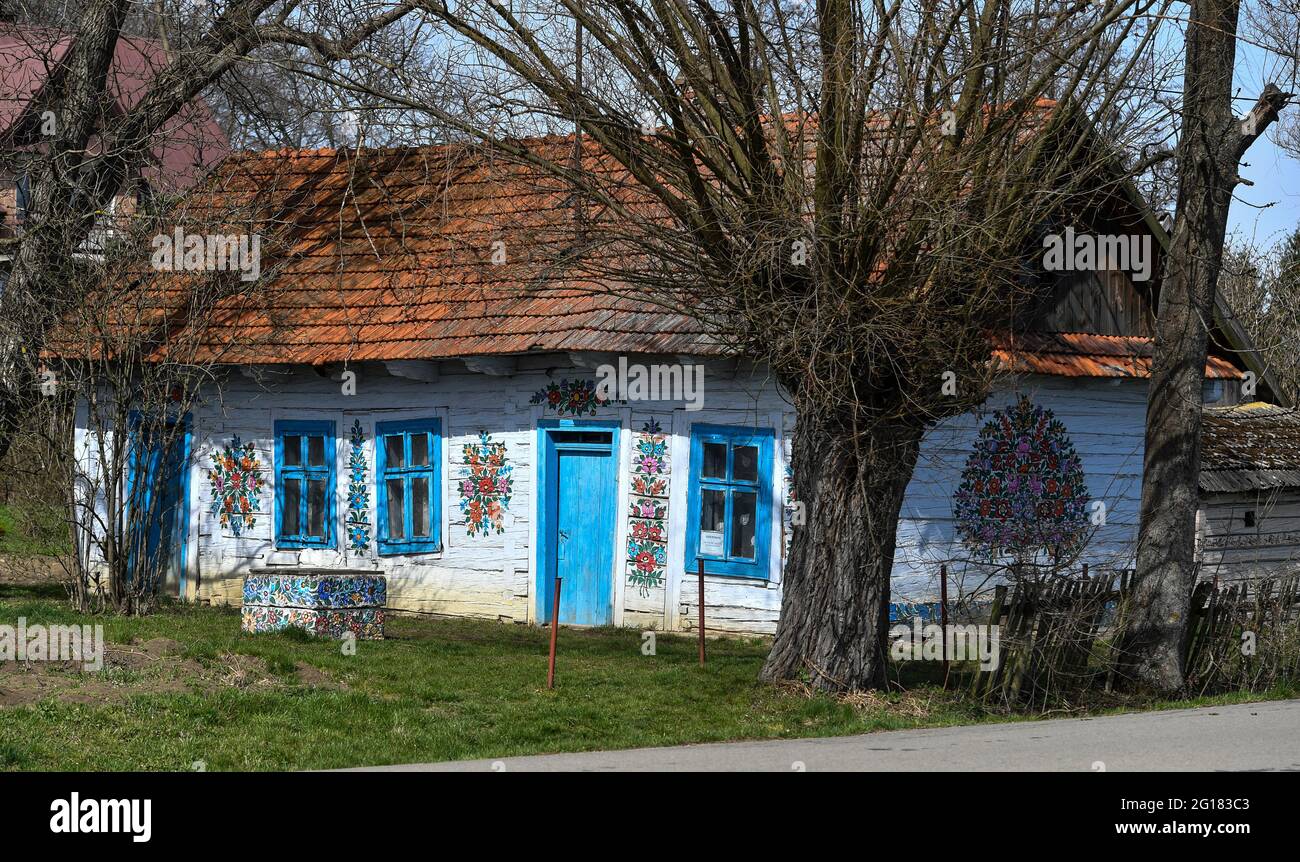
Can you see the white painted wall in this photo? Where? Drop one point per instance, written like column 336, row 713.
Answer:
column 1105, row 419
column 483, row 576
column 493, row 576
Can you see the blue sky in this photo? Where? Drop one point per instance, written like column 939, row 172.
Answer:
column 1277, row 181
column 1275, row 173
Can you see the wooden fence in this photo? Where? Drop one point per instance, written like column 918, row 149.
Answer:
column 1048, row 638
column 1057, row 637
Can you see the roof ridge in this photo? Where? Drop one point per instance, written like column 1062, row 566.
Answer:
column 393, row 149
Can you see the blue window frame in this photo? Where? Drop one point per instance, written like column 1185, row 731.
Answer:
column 305, row 461
column 409, row 487
column 729, row 504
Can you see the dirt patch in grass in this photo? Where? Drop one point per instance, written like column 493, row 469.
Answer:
column 156, row 666
column 906, row 704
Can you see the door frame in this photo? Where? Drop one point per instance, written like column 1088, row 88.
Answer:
column 545, row 503
column 181, row 527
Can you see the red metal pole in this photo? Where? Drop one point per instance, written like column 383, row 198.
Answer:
column 943, row 615
column 701, row 572
column 555, row 627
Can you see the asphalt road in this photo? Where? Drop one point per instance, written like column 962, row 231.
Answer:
column 1255, row 736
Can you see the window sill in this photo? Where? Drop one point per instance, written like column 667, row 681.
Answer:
column 432, row 550
column 290, row 545
column 711, row 570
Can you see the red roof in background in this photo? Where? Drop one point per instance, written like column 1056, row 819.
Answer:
column 187, row 145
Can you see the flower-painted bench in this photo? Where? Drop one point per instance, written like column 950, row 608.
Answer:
column 327, row 602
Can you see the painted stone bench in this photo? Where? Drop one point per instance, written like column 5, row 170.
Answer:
column 325, row 602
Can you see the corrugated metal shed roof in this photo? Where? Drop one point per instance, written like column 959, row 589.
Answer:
column 1084, row 354
column 1249, row 447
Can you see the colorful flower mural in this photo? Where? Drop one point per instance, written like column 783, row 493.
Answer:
column 358, row 521
column 1023, row 489
column 647, row 535
column 236, row 478
column 570, row 397
column 486, row 486
column 362, row 623
column 324, row 605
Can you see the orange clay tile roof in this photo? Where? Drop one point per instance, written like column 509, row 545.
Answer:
column 388, row 255
column 1084, row 354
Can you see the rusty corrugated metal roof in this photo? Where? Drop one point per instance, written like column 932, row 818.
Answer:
column 1086, row 354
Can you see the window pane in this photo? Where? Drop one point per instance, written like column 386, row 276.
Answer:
column 420, row 506
column 744, row 466
column 715, row 460
column 744, row 508
column 291, row 500
column 315, row 451
column 396, row 507
column 420, row 449
column 316, row 508
column 394, row 453
column 713, row 510
column 292, row 450
column 712, row 518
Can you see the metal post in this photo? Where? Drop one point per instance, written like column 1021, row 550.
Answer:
column 555, row 627
column 943, row 615
column 701, row 607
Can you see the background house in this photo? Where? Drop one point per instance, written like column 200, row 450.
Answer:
column 31, row 56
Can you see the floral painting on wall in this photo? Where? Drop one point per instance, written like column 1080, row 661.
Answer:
column 570, row 397
column 647, row 534
column 358, row 522
column 486, row 486
column 1023, row 490
column 236, row 478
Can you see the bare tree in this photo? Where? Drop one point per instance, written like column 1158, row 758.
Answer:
column 851, row 192
column 80, row 150
column 1211, row 144
column 1262, row 287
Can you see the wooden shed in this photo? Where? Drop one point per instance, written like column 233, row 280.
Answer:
column 1249, row 520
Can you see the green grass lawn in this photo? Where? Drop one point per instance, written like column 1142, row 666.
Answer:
column 33, row 531
column 434, row 690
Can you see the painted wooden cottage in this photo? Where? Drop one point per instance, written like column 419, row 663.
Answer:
column 396, row 402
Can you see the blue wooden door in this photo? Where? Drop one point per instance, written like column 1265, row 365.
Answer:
column 158, row 486
column 583, row 496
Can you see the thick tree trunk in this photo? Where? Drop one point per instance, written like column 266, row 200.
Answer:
column 1210, row 148
column 835, row 594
